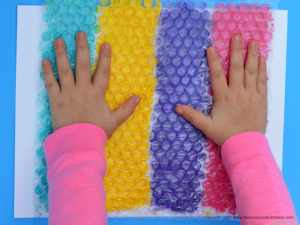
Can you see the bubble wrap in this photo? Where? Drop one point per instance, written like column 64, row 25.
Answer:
column 159, row 164
column 130, row 30
column 175, row 160
column 177, row 147
column 252, row 22
column 62, row 19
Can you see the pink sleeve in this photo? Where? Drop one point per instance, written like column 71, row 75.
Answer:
column 76, row 168
column 258, row 185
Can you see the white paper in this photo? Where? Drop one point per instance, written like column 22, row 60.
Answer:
column 28, row 65
column 28, row 58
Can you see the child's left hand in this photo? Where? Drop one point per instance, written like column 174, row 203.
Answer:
column 83, row 100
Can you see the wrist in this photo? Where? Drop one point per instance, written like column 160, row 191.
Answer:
column 83, row 136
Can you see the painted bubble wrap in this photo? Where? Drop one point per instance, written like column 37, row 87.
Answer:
column 159, row 164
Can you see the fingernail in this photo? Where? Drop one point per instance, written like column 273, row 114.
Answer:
column 237, row 39
column 80, row 35
column 106, row 45
column 212, row 50
column 45, row 62
column 137, row 100
column 59, row 42
column 179, row 111
column 262, row 59
column 252, row 44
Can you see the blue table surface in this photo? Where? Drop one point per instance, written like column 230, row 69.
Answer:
column 8, row 38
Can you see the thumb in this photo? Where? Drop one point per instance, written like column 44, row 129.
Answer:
column 124, row 111
column 196, row 117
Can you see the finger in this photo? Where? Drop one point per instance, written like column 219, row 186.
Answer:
column 102, row 74
column 65, row 73
column 236, row 70
column 251, row 68
column 83, row 63
column 217, row 77
column 63, row 66
column 50, row 81
column 124, row 111
column 262, row 86
column 196, row 117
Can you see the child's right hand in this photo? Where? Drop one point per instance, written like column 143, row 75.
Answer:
column 240, row 106
column 83, row 101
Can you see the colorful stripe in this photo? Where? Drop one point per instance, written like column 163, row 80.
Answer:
column 178, row 148
column 252, row 22
column 130, row 30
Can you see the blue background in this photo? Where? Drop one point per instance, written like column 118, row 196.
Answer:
column 8, row 34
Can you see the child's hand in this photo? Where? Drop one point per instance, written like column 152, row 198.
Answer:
column 240, row 106
column 83, row 101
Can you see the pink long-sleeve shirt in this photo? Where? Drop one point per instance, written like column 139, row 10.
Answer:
column 77, row 166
